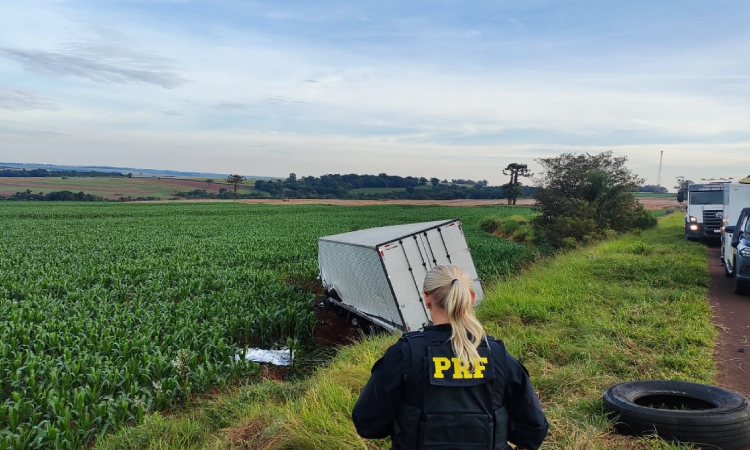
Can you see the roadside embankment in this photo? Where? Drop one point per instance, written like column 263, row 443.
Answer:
column 631, row 308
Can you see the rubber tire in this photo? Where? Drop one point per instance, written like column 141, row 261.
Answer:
column 728, row 273
column 739, row 287
column 725, row 426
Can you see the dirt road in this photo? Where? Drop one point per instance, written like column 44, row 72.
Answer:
column 732, row 316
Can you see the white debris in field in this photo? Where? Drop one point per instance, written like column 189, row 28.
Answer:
column 281, row 357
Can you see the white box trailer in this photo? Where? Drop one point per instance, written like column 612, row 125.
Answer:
column 736, row 198
column 378, row 273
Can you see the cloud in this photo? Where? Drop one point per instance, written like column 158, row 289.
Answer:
column 172, row 113
column 280, row 99
column 11, row 129
column 23, row 100
column 103, row 58
column 232, row 106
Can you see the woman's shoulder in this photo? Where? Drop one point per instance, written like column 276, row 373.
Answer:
column 495, row 343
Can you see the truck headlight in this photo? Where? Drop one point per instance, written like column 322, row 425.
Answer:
column 745, row 252
column 693, row 219
column 694, row 227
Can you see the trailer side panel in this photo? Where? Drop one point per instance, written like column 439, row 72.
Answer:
column 356, row 275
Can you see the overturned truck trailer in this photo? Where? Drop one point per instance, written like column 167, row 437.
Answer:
column 378, row 273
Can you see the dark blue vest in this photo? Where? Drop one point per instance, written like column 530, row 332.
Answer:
column 446, row 406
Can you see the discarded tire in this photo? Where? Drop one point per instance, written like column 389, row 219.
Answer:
column 680, row 411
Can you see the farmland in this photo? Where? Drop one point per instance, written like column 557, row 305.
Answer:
column 580, row 322
column 112, row 310
column 114, row 187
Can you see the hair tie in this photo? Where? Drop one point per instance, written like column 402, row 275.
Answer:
column 453, row 281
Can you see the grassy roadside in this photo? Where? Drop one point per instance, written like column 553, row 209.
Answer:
column 631, row 308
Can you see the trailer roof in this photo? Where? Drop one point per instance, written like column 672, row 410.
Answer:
column 372, row 237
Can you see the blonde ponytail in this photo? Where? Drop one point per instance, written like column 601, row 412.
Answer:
column 451, row 289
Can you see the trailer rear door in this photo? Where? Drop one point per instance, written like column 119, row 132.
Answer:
column 403, row 263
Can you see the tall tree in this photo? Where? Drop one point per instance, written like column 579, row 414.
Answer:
column 435, row 182
column 515, row 170
column 511, row 192
column 235, row 180
column 209, row 181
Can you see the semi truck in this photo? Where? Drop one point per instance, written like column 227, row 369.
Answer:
column 704, row 211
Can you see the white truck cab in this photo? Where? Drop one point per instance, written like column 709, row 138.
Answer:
column 704, row 211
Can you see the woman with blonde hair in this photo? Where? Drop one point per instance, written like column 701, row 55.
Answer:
column 450, row 386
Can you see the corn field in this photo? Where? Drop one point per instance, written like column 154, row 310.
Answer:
column 108, row 311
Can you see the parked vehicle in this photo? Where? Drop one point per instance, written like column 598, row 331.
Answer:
column 704, row 211
column 378, row 273
column 736, row 251
column 736, row 198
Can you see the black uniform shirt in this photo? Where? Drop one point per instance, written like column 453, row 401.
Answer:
column 379, row 402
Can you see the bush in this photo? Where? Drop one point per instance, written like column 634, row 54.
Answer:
column 513, row 224
column 569, row 243
column 515, row 228
column 490, row 224
column 644, row 219
column 523, row 234
column 584, row 196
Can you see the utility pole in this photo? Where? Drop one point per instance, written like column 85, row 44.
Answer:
column 658, row 178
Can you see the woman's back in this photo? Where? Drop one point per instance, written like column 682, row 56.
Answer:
column 450, row 386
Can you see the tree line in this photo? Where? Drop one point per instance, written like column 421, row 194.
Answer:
column 410, row 187
column 66, row 196
column 13, row 173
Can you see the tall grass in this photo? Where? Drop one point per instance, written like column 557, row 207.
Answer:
column 631, row 308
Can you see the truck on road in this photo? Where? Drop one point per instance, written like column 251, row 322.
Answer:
column 704, row 211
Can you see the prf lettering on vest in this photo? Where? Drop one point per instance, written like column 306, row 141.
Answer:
column 460, row 369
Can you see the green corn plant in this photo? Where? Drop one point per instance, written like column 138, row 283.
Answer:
column 97, row 300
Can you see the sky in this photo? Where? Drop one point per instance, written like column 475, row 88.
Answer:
column 445, row 88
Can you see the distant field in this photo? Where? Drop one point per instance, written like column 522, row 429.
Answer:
column 114, row 188
column 651, row 194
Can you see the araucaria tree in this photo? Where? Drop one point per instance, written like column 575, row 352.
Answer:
column 512, row 190
column 583, row 195
column 235, row 180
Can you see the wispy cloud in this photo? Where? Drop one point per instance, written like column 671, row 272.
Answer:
column 104, row 57
column 232, row 106
column 23, row 100
column 172, row 113
column 10, row 128
column 280, row 100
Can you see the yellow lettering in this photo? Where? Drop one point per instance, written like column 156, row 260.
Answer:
column 479, row 367
column 460, row 370
column 441, row 365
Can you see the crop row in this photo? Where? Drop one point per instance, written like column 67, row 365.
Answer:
column 108, row 311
